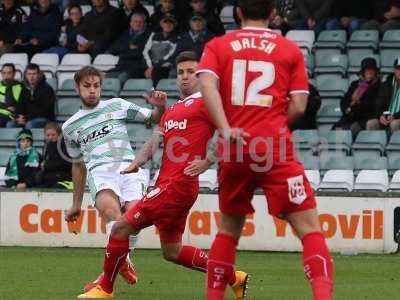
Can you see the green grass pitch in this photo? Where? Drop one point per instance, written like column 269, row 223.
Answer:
column 59, row 274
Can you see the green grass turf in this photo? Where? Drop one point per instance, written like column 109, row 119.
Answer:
column 59, row 274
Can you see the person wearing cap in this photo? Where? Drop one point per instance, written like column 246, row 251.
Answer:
column 160, row 50
column 214, row 24
column 358, row 104
column 165, row 7
column 24, row 162
column 387, row 112
column 197, row 36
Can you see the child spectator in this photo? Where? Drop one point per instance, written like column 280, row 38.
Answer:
column 56, row 166
column 24, row 163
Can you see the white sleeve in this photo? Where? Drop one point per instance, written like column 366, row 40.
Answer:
column 135, row 112
column 146, row 51
column 73, row 148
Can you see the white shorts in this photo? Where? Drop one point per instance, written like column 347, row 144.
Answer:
column 128, row 187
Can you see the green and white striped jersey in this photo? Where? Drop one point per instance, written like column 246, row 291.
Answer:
column 100, row 136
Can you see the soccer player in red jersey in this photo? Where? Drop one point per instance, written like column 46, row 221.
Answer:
column 254, row 85
column 186, row 130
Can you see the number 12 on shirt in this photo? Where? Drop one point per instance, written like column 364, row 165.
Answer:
column 251, row 95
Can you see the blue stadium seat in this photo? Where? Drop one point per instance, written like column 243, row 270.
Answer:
column 136, row 88
column 332, row 85
column 372, row 141
column 330, row 63
column 362, row 39
column 66, row 107
column 306, row 139
column 336, row 141
column 331, row 39
column 390, row 40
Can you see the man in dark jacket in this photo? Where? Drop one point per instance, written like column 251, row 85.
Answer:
column 36, row 107
column 197, row 37
column 23, row 164
column 99, row 28
column 56, row 167
column 127, row 9
column 41, row 30
column 309, row 119
column 214, row 24
column 165, row 7
column 358, row 105
column 11, row 19
column 129, row 47
column 10, row 93
column 387, row 112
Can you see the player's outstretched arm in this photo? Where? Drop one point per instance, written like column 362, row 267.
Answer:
column 159, row 100
column 146, row 153
column 79, row 180
column 297, row 106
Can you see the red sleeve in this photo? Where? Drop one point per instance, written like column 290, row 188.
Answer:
column 299, row 78
column 209, row 59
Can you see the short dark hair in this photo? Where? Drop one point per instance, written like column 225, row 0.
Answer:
column 72, row 6
column 87, row 71
column 9, row 65
column 256, row 9
column 53, row 125
column 32, row 67
column 186, row 56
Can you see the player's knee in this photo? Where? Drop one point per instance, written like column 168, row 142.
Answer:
column 121, row 230
column 111, row 214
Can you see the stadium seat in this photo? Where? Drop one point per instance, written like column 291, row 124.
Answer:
column 226, row 15
column 169, row 86
column 332, row 86
column 208, row 180
column 330, row 63
column 2, row 179
column 110, row 88
column 335, row 161
column 388, row 57
column 53, row 83
column 355, row 58
column 337, row 180
column 66, row 107
column 314, row 178
column 373, row 141
column 5, row 153
column 394, row 144
column 20, row 60
column 136, row 88
column 364, row 39
column 331, row 39
column 394, row 163
column 47, row 62
column 38, row 137
column 86, row 9
column 362, row 162
column 395, row 183
column 309, row 161
column 138, row 134
column 310, row 63
column 331, row 101
column 61, row 77
column 306, row 139
column 105, row 62
column 8, row 136
column 372, row 180
column 327, row 116
column 303, row 38
column 67, row 89
column 390, row 40
column 336, row 141
column 71, row 63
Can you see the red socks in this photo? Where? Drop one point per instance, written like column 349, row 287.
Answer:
column 220, row 266
column 193, row 258
column 318, row 265
column 116, row 252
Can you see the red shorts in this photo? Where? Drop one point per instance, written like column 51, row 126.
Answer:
column 167, row 208
column 284, row 184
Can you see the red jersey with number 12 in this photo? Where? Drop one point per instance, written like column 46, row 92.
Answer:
column 257, row 70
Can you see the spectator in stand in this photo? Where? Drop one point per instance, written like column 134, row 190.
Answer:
column 165, row 7
column 10, row 93
column 11, row 19
column 309, row 119
column 197, row 37
column 36, row 106
column 358, row 105
column 99, row 28
column 41, row 30
column 129, row 47
column 69, row 32
column 159, row 52
column 285, row 18
column 313, row 14
column 127, row 9
column 350, row 14
column 387, row 20
column 56, row 168
column 214, row 24
column 387, row 112
column 24, row 162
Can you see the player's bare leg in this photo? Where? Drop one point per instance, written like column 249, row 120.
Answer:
column 108, row 206
column 318, row 263
column 221, row 261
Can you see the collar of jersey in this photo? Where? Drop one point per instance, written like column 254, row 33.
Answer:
column 195, row 95
column 256, row 28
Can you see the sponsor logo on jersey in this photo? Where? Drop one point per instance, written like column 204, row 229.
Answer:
column 189, row 102
column 95, row 135
column 172, row 124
